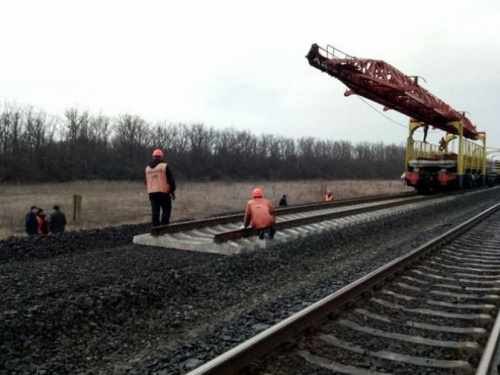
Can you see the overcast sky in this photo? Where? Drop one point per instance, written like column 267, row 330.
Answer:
column 230, row 63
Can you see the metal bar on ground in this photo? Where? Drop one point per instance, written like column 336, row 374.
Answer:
column 490, row 351
column 241, row 233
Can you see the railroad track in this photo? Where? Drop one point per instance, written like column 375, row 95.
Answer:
column 227, row 219
column 224, row 235
column 431, row 311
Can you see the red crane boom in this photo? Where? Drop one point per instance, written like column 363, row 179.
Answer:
column 381, row 82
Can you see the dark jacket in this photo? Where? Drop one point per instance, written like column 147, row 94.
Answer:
column 31, row 223
column 168, row 172
column 283, row 202
column 57, row 221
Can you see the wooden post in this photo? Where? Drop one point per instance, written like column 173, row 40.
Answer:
column 77, row 208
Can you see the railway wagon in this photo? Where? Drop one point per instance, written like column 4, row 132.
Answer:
column 493, row 172
column 455, row 163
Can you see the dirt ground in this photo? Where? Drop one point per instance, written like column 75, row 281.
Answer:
column 107, row 203
column 92, row 303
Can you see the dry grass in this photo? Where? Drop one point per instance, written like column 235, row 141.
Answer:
column 112, row 203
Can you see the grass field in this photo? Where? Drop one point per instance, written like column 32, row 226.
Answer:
column 107, row 203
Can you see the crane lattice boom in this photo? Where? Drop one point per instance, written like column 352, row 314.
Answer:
column 381, row 82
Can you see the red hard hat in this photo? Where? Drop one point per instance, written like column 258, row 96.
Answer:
column 157, row 153
column 257, row 193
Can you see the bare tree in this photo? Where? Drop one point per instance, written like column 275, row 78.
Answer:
column 82, row 145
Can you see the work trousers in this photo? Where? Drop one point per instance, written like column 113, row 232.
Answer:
column 160, row 201
column 262, row 232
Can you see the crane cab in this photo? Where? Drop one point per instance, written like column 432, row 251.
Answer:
column 432, row 167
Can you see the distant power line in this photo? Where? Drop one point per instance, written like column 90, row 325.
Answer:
column 383, row 114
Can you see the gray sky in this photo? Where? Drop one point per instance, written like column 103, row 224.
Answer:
column 241, row 63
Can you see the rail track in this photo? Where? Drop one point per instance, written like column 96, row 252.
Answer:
column 224, row 235
column 428, row 312
column 227, row 219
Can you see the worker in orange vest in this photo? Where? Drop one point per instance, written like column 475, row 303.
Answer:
column 329, row 196
column 160, row 184
column 260, row 213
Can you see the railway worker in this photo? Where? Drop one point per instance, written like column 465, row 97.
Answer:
column 57, row 220
column 329, row 196
column 426, row 129
column 283, row 202
column 31, row 222
column 443, row 145
column 260, row 213
column 160, row 185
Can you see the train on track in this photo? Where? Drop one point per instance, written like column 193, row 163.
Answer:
column 453, row 164
column 458, row 161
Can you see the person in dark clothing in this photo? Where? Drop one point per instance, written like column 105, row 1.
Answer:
column 426, row 129
column 31, row 222
column 160, row 184
column 283, row 202
column 57, row 220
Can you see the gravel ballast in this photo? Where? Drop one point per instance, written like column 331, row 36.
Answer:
column 90, row 302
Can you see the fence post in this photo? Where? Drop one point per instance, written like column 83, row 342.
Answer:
column 77, row 208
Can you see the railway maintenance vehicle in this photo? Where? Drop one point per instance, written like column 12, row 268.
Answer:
column 458, row 161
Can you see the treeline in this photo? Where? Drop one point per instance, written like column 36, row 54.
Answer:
column 36, row 146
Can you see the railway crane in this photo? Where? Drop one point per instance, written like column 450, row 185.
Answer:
column 428, row 167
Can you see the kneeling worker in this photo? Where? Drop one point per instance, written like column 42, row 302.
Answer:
column 260, row 212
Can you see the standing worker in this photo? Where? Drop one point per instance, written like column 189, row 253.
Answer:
column 160, row 185
column 426, row 129
column 57, row 220
column 31, row 222
column 260, row 213
column 283, row 202
column 329, row 196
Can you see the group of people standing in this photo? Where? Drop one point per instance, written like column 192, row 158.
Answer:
column 37, row 222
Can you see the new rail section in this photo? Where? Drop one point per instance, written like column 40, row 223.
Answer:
column 325, row 216
column 298, row 216
column 226, row 219
column 225, row 236
column 455, row 266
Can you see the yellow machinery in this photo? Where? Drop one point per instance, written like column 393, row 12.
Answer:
column 428, row 167
column 436, row 167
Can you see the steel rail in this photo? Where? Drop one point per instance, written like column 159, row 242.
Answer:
column 244, row 354
column 488, row 358
column 241, row 233
column 196, row 224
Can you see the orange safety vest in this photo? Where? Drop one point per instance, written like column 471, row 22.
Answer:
column 259, row 212
column 328, row 197
column 156, row 179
